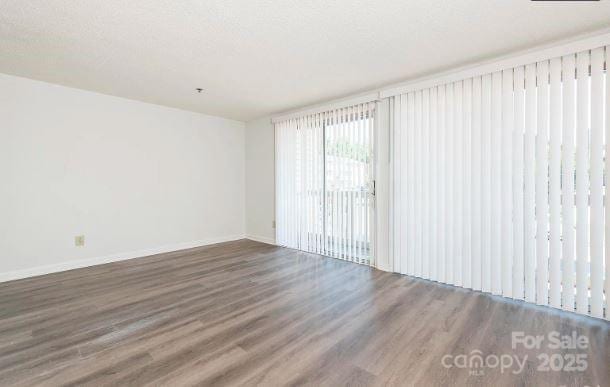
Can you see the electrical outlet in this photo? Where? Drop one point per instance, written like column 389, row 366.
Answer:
column 273, row 224
column 79, row 240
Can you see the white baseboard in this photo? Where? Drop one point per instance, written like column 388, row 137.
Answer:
column 384, row 266
column 76, row 264
column 257, row 238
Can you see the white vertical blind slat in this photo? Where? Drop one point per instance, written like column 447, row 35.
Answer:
column 320, row 180
column 402, row 153
column 442, row 141
column 325, row 197
column 418, row 184
column 496, row 180
column 529, row 228
column 332, row 193
column 596, row 222
column 278, row 188
column 411, row 184
column 518, row 193
column 476, row 168
column 312, row 185
column 342, row 184
column 281, row 209
column 308, row 184
column 542, row 206
column 486, row 232
column 450, row 174
column 298, row 184
column 292, row 199
column 400, row 179
column 363, row 193
column 353, row 170
column 467, row 185
column 506, row 184
column 607, row 183
column 339, row 186
column 582, row 182
column 555, row 183
column 350, row 194
column 288, row 185
column 347, row 186
column 360, row 172
column 458, row 178
column 291, row 191
column 568, row 126
column 425, row 260
column 434, row 156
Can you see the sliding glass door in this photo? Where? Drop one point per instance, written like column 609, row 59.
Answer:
column 325, row 183
column 349, row 185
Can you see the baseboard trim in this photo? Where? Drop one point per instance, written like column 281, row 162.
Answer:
column 257, row 238
column 80, row 263
column 384, row 266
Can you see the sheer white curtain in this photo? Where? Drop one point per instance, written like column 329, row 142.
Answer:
column 498, row 182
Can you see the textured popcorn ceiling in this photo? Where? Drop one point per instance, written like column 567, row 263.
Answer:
column 259, row 57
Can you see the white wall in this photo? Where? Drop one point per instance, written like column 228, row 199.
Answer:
column 134, row 178
column 260, row 180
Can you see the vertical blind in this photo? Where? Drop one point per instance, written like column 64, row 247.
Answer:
column 323, row 175
column 498, row 183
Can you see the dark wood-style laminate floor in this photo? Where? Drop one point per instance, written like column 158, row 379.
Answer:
column 247, row 313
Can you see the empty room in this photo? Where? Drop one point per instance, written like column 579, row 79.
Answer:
column 332, row 193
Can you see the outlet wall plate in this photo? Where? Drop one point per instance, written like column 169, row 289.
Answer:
column 79, row 240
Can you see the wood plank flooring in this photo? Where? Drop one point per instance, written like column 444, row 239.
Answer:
column 247, row 313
